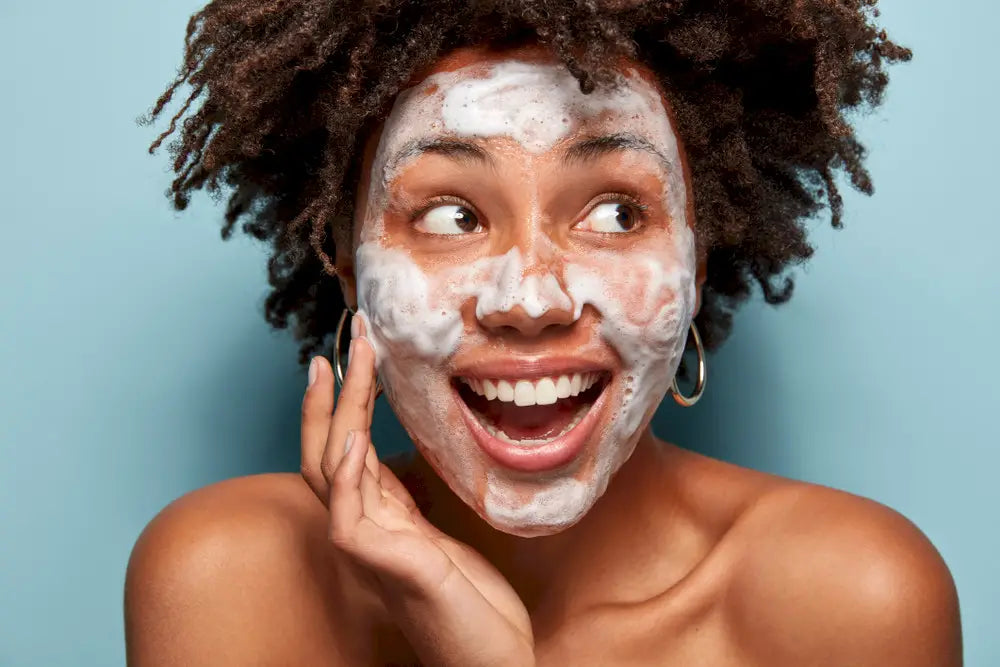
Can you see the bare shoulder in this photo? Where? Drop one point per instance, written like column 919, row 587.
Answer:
column 826, row 577
column 231, row 573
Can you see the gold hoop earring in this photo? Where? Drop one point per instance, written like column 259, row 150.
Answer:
column 338, row 371
column 699, row 387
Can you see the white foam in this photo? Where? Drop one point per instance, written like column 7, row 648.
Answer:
column 555, row 506
column 398, row 298
column 532, row 104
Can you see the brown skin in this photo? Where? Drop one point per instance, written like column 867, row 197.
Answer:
column 685, row 560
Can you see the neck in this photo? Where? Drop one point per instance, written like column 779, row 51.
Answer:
column 639, row 521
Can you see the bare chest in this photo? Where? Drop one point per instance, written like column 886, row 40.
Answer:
column 610, row 638
column 645, row 635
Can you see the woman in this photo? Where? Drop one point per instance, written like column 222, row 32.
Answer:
column 525, row 208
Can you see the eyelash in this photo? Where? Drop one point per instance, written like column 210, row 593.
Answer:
column 619, row 197
column 438, row 201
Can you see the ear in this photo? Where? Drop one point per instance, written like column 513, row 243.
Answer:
column 344, row 233
column 699, row 281
column 344, row 263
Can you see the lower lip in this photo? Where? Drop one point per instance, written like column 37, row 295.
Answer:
column 535, row 458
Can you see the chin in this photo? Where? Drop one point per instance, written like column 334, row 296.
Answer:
column 552, row 506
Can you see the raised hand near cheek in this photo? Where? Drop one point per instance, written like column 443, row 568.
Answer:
column 450, row 602
column 324, row 430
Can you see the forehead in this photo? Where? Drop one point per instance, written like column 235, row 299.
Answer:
column 525, row 94
column 482, row 57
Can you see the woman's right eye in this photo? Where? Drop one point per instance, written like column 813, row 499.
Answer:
column 448, row 219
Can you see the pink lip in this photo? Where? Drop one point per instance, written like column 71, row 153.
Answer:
column 554, row 454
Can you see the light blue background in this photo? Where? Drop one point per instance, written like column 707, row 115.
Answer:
column 135, row 364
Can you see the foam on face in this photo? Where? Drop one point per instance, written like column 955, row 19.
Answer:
column 421, row 311
column 645, row 297
column 533, row 105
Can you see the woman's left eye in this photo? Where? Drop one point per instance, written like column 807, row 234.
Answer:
column 610, row 217
column 448, row 219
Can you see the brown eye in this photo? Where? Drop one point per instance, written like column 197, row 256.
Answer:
column 449, row 219
column 610, row 217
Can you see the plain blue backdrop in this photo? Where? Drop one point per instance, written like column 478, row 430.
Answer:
column 135, row 364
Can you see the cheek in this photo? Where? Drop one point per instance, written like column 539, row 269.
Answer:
column 657, row 308
column 646, row 290
column 408, row 310
column 646, row 302
column 645, row 299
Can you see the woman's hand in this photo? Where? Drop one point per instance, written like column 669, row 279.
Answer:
column 453, row 606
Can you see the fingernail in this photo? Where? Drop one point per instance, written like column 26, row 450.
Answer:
column 348, row 442
column 355, row 326
column 350, row 350
column 313, row 372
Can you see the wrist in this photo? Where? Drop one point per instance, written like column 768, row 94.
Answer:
column 450, row 630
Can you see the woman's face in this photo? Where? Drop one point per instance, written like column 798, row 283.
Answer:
column 525, row 261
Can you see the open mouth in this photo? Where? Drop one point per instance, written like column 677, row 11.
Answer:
column 532, row 423
column 527, row 412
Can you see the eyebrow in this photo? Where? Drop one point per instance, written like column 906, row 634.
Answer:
column 593, row 148
column 456, row 149
column 582, row 151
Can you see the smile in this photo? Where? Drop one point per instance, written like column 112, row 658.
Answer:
column 532, row 423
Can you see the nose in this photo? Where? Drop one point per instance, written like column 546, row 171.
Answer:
column 527, row 303
column 526, row 293
column 520, row 320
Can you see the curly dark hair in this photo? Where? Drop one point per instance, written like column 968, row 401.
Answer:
column 289, row 90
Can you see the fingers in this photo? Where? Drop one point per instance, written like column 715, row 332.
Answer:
column 372, row 463
column 323, row 434
column 377, row 530
column 346, row 505
column 365, row 519
column 371, row 496
column 352, row 413
column 317, row 406
column 358, row 506
column 359, row 329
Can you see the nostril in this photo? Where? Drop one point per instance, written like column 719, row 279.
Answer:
column 555, row 325
column 520, row 321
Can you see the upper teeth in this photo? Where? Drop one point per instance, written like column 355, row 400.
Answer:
column 541, row 391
